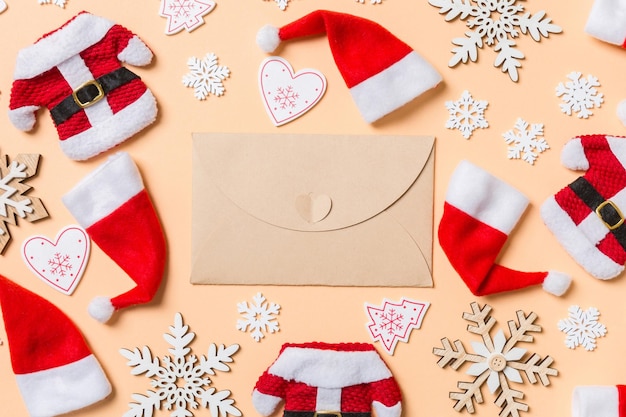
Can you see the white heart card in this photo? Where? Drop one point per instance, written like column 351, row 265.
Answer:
column 287, row 95
column 61, row 263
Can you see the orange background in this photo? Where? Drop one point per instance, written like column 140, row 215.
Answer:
column 163, row 154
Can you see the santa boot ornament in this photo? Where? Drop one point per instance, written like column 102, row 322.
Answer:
column 599, row 401
column 326, row 380
column 587, row 216
column 114, row 207
column 382, row 72
column 479, row 213
column 56, row 372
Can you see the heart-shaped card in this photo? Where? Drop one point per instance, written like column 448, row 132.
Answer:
column 61, row 263
column 287, row 95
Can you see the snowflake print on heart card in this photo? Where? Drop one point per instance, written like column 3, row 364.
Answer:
column 392, row 322
column 59, row 263
column 287, row 95
column 184, row 14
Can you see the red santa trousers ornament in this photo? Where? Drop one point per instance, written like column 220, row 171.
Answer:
column 115, row 209
column 75, row 72
column 587, row 216
column 342, row 379
column 599, row 401
column 382, row 72
column 479, row 213
column 56, row 372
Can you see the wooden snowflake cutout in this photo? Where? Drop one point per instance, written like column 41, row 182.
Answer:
column 14, row 202
column 496, row 361
column 582, row 328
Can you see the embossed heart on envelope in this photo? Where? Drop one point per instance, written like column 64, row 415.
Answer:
column 61, row 263
column 287, row 95
column 313, row 207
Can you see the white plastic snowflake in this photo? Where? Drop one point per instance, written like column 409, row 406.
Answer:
column 60, row 3
column 206, row 76
column 181, row 381
column 582, row 328
column 466, row 114
column 579, row 95
column 258, row 317
column 282, row 4
column 371, row 1
column 527, row 143
column 60, row 264
column 496, row 23
column 496, row 361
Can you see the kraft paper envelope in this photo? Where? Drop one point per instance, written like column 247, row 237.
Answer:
column 312, row 210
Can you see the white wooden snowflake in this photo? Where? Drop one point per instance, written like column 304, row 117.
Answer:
column 259, row 317
column 495, row 23
column 496, row 362
column 282, row 4
column 206, row 76
column 582, row 328
column 579, row 95
column 181, row 381
column 60, row 3
column 467, row 114
column 527, row 143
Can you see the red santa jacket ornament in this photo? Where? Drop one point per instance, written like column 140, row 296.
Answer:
column 328, row 380
column 75, row 72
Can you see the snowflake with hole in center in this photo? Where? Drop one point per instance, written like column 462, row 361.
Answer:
column 496, row 362
column 282, row 4
column 182, row 380
column 527, row 143
column 60, row 3
column 467, row 114
column 495, row 23
column 579, row 95
column 259, row 317
column 582, row 328
column 206, row 76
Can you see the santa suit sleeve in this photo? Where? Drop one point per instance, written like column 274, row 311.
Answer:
column 129, row 47
column 268, row 393
column 386, row 398
column 24, row 102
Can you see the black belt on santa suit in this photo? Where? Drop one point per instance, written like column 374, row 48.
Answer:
column 90, row 93
column 323, row 414
column 606, row 210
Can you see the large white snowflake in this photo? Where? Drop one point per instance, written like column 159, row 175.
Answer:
column 495, row 23
column 206, row 76
column 60, row 3
column 579, row 95
column 467, row 114
column 181, row 381
column 582, row 328
column 527, row 143
column 258, row 317
column 282, row 4
column 496, row 362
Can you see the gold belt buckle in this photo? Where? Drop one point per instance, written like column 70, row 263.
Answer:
column 617, row 210
column 94, row 100
column 327, row 413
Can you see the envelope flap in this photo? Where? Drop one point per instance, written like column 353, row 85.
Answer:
column 312, row 182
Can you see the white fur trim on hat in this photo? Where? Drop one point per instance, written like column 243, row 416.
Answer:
column 485, row 197
column 595, row 401
column 23, row 118
column 383, row 411
column 573, row 155
column 136, row 53
column 576, row 243
column 265, row 404
column 395, row 86
column 101, row 309
column 621, row 111
column 267, row 38
column 607, row 21
column 556, row 283
column 66, row 388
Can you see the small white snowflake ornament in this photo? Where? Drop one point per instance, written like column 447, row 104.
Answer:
column 582, row 328
column 282, row 4
column 495, row 23
column 184, row 14
column 371, row 1
column 467, row 114
column 60, row 3
column 392, row 322
column 527, row 143
column 206, row 76
column 579, row 95
column 259, row 317
column 182, row 380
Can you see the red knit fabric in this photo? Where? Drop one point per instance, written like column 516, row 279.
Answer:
column 621, row 394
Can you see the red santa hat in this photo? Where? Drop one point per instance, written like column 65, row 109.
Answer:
column 382, row 72
column 599, row 401
column 114, row 207
column 331, row 378
column 75, row 72
column 56, row 372
column 587, row 216
column 480, row 211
